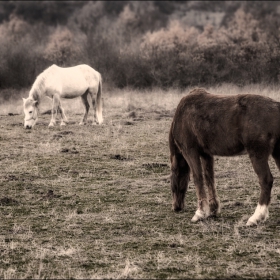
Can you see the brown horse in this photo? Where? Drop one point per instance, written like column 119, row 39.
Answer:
column 205, row 125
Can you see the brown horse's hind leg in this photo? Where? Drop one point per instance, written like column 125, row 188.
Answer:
column 180, row 177
column 208, row 168
column 261, row 168
column 86, row 104
column 203, row 211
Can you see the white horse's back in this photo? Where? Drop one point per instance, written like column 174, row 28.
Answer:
column 70, row 82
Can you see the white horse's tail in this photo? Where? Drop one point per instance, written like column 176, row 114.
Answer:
column 99, row 102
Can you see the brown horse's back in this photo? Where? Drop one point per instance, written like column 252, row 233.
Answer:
column 226, row 125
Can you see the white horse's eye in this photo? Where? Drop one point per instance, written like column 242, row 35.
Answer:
column 30, row 112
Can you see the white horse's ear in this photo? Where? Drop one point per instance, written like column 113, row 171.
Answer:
column 35, row 103
column 24, row 99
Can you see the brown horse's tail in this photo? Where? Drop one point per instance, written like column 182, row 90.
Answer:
column 99, row 102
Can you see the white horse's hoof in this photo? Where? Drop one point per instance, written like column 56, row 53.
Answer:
column 63, row 124
column 51, row 125
column 82, row 123
column 251, row 223
column 199, row 215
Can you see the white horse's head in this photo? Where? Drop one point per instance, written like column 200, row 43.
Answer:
column 30, row 109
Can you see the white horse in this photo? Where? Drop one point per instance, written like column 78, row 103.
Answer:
column 56, row 82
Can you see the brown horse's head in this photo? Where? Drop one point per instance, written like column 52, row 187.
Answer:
column 180, row 176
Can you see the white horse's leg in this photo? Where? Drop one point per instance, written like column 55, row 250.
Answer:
column 64, row 119
column 98, row 104
column 54, row 110
column 86, row 104
column 94, row 109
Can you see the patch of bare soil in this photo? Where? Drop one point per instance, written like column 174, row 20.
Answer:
column 120, row 157
column 8, row 201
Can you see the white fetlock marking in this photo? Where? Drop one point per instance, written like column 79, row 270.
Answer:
column 200, row 215
column 261, row 214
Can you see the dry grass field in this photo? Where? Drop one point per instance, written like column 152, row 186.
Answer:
column 95, row 201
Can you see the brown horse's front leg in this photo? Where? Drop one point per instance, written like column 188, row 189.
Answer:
column 261, row 167
column 202, row 212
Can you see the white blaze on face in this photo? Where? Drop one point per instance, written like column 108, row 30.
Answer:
column 30, row 112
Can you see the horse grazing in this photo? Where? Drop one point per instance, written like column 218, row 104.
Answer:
column 57, row 82
column 205, row 125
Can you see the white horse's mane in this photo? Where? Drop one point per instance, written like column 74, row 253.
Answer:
column 38, row 86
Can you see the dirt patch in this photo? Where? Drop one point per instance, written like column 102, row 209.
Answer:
column 127, row 123
column 50, row 195
column 66, row 132
column 121, row 157
column 12, row 114
column 62, row 134
column 17, row 124
column 8, row 201
column 132, row 114
column 154, row 165
column 72, row 150
column 11, row 177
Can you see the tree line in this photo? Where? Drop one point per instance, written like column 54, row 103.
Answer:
column 142, row 44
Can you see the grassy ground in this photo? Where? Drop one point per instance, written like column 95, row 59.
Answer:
column 95, row 201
